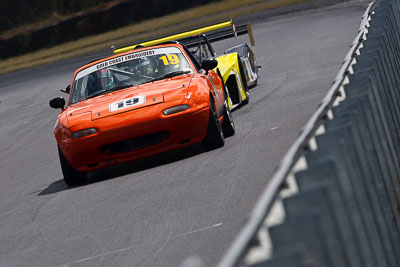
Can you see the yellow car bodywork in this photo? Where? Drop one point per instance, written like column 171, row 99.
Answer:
column 228, row 65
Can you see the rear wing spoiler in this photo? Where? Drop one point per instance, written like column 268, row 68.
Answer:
column 190, row 38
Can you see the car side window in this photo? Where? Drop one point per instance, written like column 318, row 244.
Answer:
column 79, row 90
column 192, row 58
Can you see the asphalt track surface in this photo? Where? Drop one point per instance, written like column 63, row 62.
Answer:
column 160, row 211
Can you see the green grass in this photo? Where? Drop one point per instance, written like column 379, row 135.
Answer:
column 180, row 21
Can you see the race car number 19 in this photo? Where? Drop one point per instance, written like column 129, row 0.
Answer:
column 170, row 59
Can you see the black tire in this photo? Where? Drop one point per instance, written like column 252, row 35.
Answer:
column 214, row 137
column 71, row 176
column 228, row 125
column 243, row 78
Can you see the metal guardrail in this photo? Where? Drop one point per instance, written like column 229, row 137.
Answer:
column 343, row 167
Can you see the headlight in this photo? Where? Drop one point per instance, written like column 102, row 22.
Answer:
column 175, row 109
column 83, row 133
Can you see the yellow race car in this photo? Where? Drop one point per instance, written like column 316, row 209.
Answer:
column 237, row 66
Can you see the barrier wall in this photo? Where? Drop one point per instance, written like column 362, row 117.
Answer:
column 335, row 199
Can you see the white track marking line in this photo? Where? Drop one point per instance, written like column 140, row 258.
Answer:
column 128, row 248
column 199, row 230
column 98, row 256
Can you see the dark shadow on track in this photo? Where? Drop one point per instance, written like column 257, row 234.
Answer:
column 146, row 163
column 55, row 187
column 129, row 168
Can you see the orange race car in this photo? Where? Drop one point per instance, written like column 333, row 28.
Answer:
column 139, row 103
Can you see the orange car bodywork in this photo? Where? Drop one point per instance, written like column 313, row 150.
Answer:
column 143, row 123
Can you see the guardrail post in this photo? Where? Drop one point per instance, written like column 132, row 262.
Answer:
column 325, row 174
column 310, row 214
column 293, row 256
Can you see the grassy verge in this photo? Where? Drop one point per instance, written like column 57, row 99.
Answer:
column 195, row 17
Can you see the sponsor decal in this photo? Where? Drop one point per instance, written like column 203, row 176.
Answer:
column 117, row 60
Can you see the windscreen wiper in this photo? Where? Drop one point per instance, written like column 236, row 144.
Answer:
column 122, row 87
column 170, row 75
column 107, row 90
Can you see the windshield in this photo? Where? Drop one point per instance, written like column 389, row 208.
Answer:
column 129, row 70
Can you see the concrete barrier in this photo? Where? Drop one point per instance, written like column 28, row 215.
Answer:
column 337, row 192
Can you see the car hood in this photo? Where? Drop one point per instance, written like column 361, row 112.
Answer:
column 128, row 99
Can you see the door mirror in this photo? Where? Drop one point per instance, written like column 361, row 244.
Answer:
column 209, row 64
column 67, row 89
column 57, row 102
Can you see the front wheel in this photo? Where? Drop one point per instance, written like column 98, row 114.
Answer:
column 214, row 137
column 71, row 176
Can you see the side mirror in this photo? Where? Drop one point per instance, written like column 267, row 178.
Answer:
column 57, row 102
column 67, row 89
column 209, row 64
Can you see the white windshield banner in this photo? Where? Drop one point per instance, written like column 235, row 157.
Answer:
column 125, row 58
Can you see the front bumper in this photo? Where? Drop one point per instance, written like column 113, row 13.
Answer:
column 134, row 135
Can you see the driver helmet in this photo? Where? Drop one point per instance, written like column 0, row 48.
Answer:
column 100, row 80
column 105, row 77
